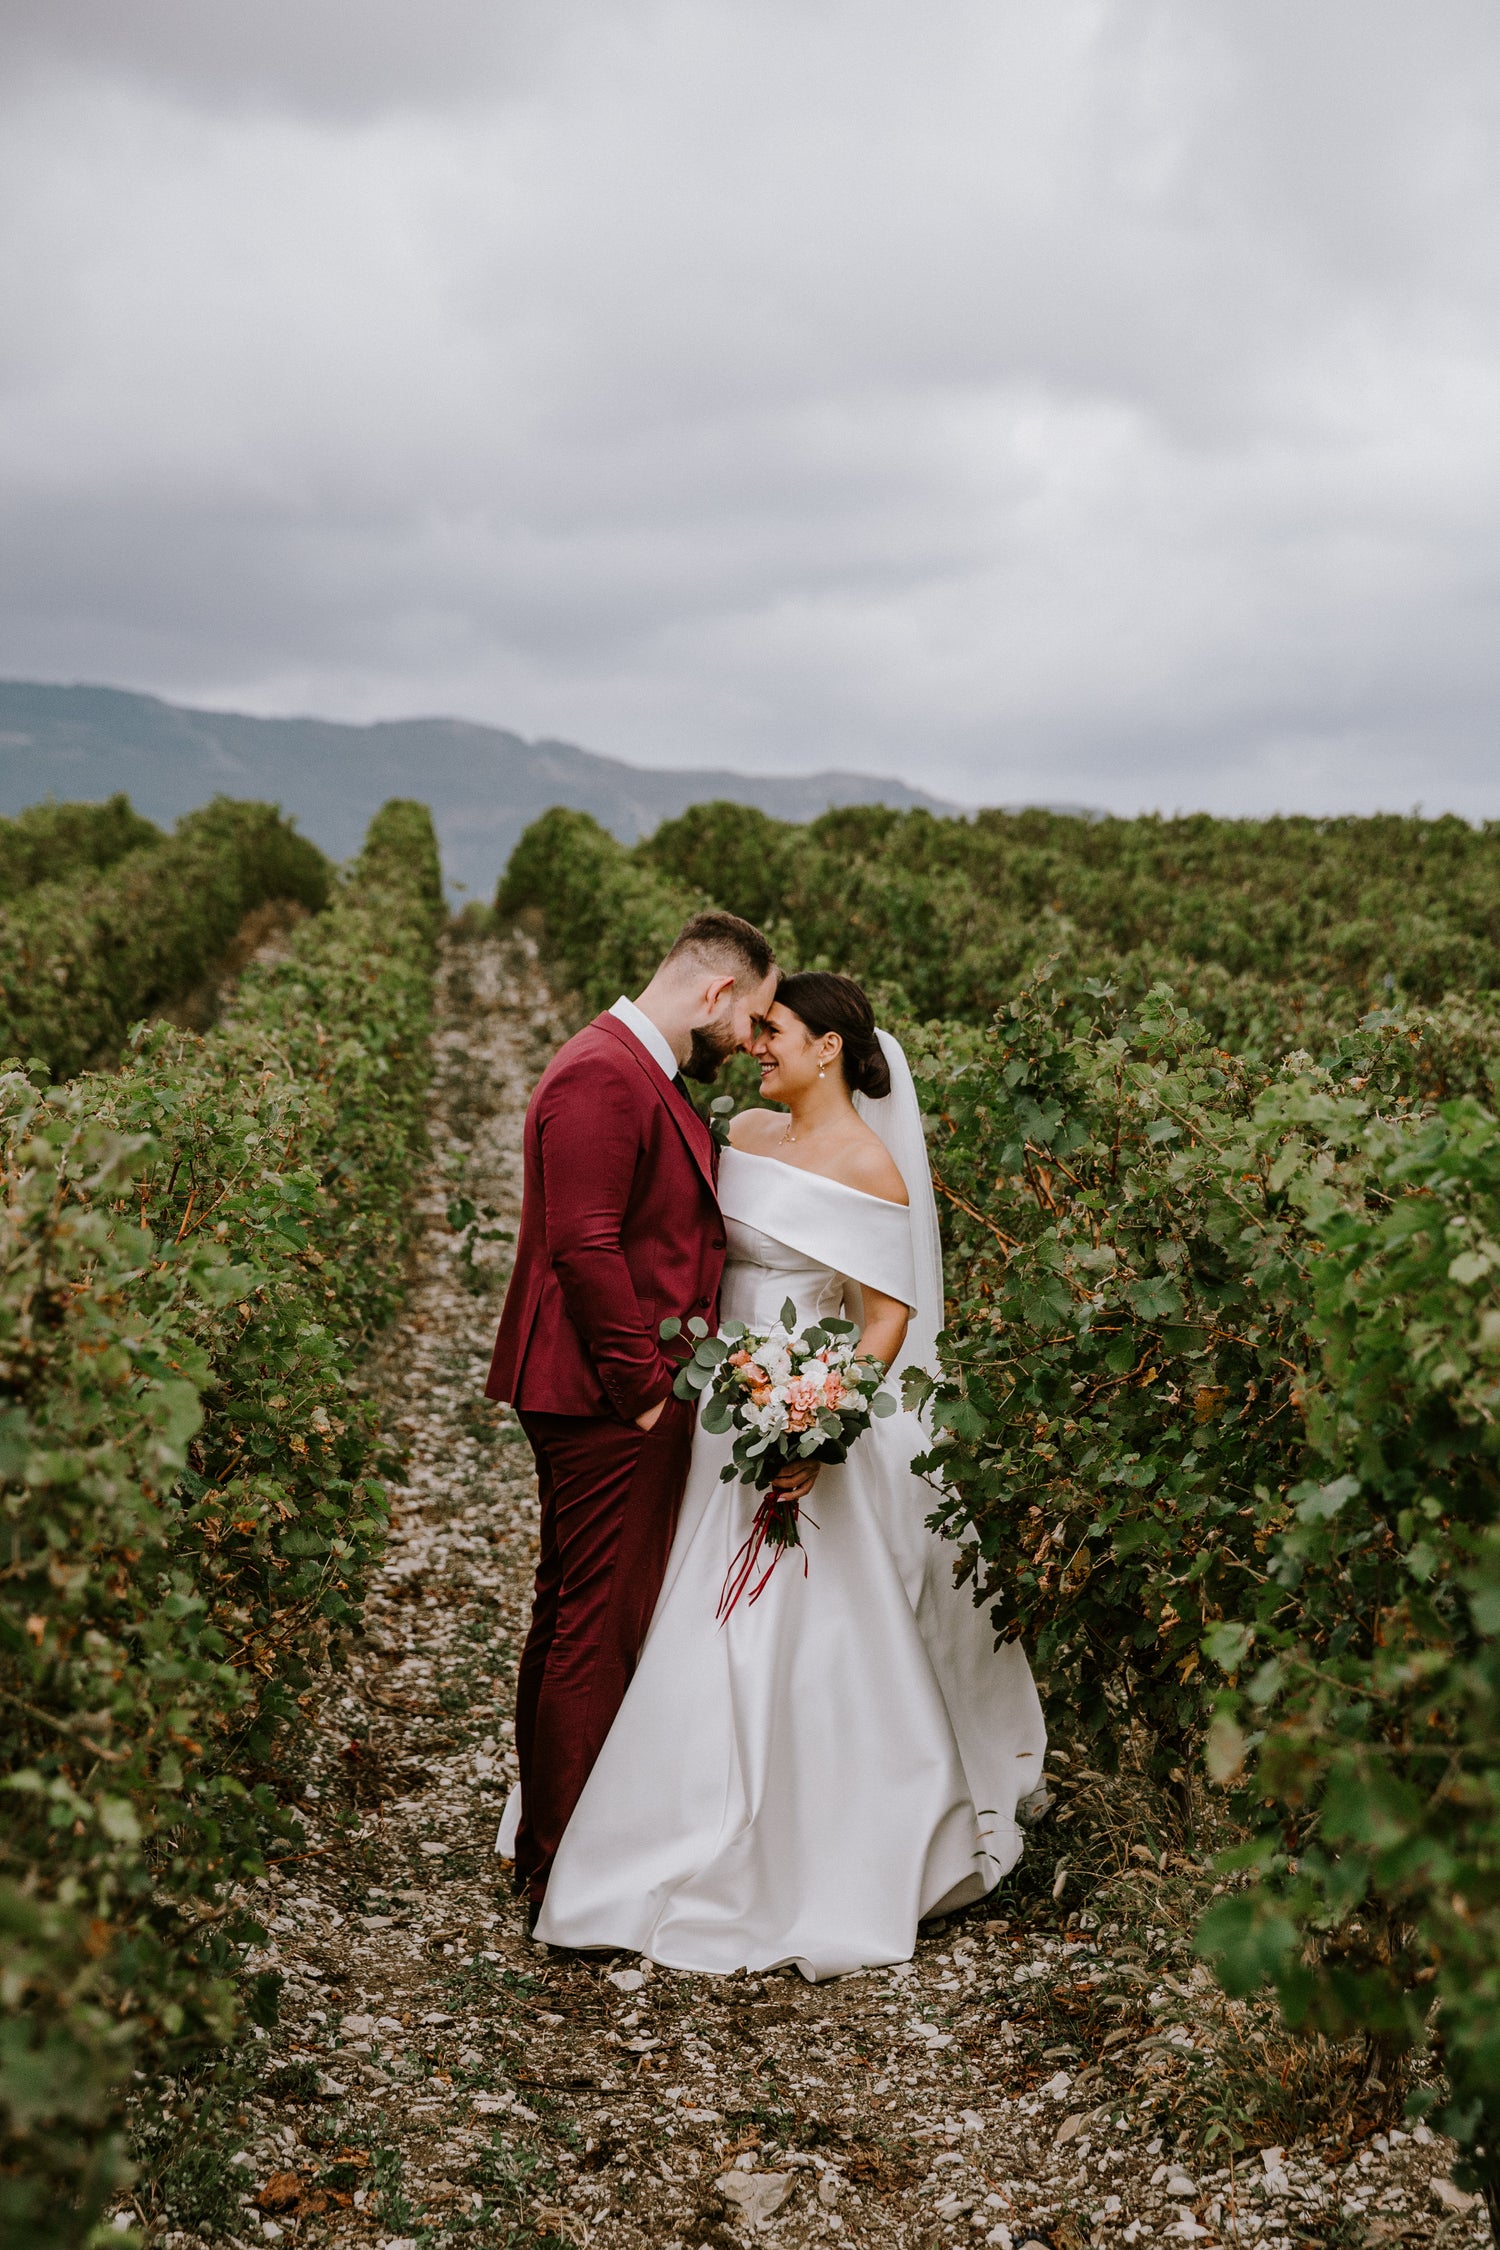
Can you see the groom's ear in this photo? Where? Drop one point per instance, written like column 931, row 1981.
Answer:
column 714, row 991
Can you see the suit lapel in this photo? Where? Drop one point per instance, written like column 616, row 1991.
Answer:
column 690, row 1125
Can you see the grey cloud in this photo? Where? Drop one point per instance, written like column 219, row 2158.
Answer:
column 334, row 58
column 1096, row 402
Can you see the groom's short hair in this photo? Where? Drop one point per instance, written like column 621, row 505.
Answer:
column 726, row 945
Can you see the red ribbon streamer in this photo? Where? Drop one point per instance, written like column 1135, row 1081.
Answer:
column 738, row 1576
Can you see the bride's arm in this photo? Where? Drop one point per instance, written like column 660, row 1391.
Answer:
column 886, row 1322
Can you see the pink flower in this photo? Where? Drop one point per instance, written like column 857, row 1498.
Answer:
column 801, row 1403
column 833, row 1389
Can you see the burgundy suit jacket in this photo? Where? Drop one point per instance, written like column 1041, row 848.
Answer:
column 619, row 1228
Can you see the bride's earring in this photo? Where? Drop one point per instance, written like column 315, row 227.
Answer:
column 821, row 1072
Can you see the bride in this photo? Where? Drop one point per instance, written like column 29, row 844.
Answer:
column 802, row 1783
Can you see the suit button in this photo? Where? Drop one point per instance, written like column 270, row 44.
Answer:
column 717, row 1243
column 702, row 1304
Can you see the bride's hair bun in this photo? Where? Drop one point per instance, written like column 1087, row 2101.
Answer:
column 825, row 1002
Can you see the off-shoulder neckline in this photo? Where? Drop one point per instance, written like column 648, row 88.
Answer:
column 800, row 1172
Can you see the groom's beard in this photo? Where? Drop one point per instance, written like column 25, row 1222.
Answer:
column 713, row 1044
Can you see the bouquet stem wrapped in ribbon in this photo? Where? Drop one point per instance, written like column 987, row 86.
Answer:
column 788, row 1397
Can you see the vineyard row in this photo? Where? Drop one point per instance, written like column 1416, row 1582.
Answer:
column 1275, row 934
column 198, row 1248
column 1219, row 1427
column 50, row 843
column 137, row 922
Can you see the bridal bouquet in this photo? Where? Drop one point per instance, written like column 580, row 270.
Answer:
column 788, row 1397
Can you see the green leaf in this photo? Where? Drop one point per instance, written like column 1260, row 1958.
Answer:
column 1249, row 1940
column 1046, row 1303
column 117, row 1817
column 1228, row 1645
column 223, row 1285
column 1266, row 1683
column 1370, row 1807
column 1320, row 1502
column 302, row 1540
column 957, row 1415
column 667, row 1329
column 1468, row 1267
column 1224, row 1750
column 263, row 1997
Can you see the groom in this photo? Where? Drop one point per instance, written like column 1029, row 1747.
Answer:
column 619, row 1228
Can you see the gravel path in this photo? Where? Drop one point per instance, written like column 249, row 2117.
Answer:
column 437, row 2078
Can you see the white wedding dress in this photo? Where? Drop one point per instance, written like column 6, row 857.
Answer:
column 804, row 1782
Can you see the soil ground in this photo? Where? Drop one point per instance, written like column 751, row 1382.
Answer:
column 1051, row 2066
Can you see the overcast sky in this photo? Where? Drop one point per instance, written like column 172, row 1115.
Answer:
column 1046, row 399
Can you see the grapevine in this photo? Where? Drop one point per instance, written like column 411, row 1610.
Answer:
column 198, row 1249
column 1212, row 1112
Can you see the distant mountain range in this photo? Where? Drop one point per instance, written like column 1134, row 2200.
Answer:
column 484, row 785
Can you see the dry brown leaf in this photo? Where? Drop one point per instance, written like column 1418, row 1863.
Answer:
column 280, row 2192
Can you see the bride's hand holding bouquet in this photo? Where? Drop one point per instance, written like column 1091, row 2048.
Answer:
column 794, row 1400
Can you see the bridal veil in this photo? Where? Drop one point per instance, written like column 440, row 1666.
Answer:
column 897, row 1118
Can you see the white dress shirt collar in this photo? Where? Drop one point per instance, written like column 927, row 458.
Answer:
column 650, row 1038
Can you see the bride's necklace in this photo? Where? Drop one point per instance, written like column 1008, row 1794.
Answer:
column 788, row 1137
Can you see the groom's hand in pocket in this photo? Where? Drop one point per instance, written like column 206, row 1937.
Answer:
column 652, row 1415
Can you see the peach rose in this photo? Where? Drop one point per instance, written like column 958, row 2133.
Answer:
column 801, row 1403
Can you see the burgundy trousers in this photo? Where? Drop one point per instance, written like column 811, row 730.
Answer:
column 610, row 1497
